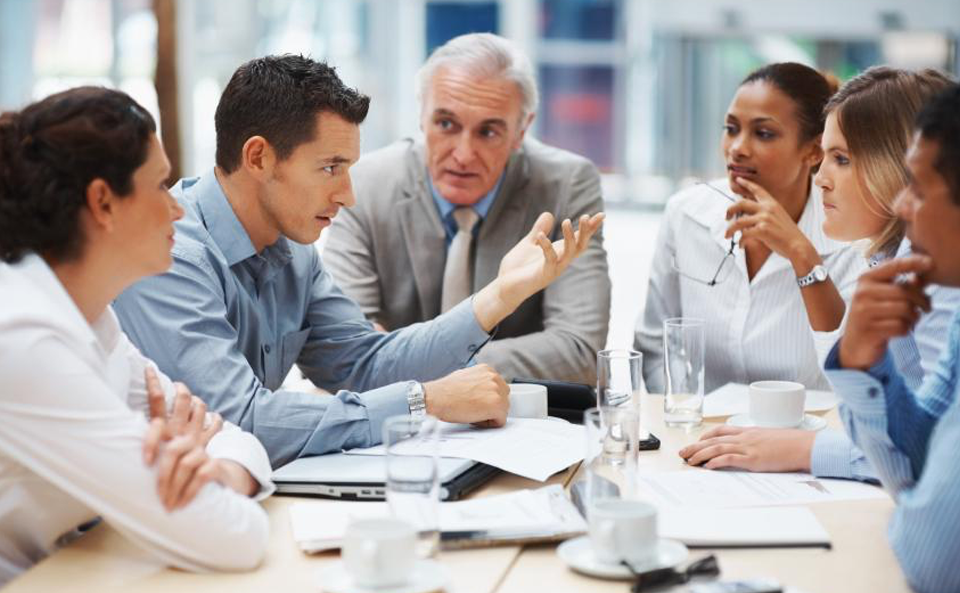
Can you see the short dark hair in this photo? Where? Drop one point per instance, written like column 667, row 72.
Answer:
column 939, row 121
column 51, row 151
column 808, row 89
column 279, row 97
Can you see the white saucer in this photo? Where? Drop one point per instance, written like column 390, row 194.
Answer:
column 578, row 555
column 427, row 576
column 809, row 422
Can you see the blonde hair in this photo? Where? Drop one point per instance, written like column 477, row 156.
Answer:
column 876, row 112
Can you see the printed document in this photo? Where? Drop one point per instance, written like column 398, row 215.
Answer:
column 530, row 447
column 705, row 488
column 320, row 525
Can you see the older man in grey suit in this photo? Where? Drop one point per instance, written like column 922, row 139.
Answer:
column 434, row 219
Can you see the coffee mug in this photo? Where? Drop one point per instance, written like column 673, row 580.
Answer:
column 527, row 401
column 777, row 404
column 623, row 529
column 379, row 552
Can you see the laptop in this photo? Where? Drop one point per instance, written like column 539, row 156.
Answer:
column 362, row 477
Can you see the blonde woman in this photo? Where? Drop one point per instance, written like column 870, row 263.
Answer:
column 868, row 128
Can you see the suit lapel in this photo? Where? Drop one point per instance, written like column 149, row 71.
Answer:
column 423, row 234
column 505, row 223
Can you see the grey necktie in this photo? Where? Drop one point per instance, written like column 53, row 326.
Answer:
column 458, row 273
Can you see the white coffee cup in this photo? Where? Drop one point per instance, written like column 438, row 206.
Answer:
column 623, row 530
column 379, row 552
column 777, row 404
column 527, row 401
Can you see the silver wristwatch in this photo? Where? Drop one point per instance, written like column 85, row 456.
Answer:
column 817, row 274
column 415, row 400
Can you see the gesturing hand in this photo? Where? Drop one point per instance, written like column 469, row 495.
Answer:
column 753, row 449
column 887, row 303
column 764, row 219
column 535, row 262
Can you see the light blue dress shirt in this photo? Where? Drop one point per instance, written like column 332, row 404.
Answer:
column 915, row 356
column 230, row 323
column 446, row 209
column 912, row 440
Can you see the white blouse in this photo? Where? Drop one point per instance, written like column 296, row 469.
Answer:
column 755, row 329
column 73, row 414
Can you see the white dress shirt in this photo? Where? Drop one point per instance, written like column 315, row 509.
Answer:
column 755, row 329
column 73, row 409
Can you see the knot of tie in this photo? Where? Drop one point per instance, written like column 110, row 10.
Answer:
column 466, row 218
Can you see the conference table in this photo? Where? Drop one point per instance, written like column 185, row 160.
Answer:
column 860, row 559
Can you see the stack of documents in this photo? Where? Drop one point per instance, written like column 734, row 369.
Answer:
column 525, row 515
column 732, row 528
column 743, row 509
column 529, row 447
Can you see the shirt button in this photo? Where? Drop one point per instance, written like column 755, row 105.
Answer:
column 472, row 347
column 873, row 392
column 267, row 348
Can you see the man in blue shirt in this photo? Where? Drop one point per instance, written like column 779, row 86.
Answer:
column 912, row 438
column 248, row 296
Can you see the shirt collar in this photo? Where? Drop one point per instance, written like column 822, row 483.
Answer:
column 481, row 208
column 221, row 221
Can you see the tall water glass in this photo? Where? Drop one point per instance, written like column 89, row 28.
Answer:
column 619, row 377
column 611, row 453
column 413, row 485
column 683, row 351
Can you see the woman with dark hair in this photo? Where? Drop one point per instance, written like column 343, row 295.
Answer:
column 869, row 124
column 88, row 426
column 756, row 325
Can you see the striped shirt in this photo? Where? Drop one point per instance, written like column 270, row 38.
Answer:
column 756, row 328
column 911, row 439
column 915, row 356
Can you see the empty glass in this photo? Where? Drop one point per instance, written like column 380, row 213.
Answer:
column 683, row 350
column 612, row 450
column 413, row 485
column 619, row 378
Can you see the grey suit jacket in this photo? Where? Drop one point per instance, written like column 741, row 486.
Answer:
column 388, row 253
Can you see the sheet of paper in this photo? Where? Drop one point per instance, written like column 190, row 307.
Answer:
column 704, row 488
column 734, row 398
column 320, row 525
column 764, row 526
column 529, row 447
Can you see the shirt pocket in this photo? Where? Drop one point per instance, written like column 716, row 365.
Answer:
column 291, row 345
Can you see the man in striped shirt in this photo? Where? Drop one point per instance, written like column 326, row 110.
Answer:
column 913, row 446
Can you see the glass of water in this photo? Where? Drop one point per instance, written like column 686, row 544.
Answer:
column 413, row 485
column 683, row 350
column 612, row 450
column 619, row 378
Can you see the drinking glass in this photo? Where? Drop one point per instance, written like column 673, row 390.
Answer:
column 683, row 350
column 619, row 378
column 611, row 453
column 413, row 485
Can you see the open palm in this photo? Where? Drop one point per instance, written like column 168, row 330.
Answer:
column 535, row 262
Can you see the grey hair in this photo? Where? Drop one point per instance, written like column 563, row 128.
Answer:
column 484, row 55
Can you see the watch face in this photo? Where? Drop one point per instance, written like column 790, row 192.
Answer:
column 820, row 273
